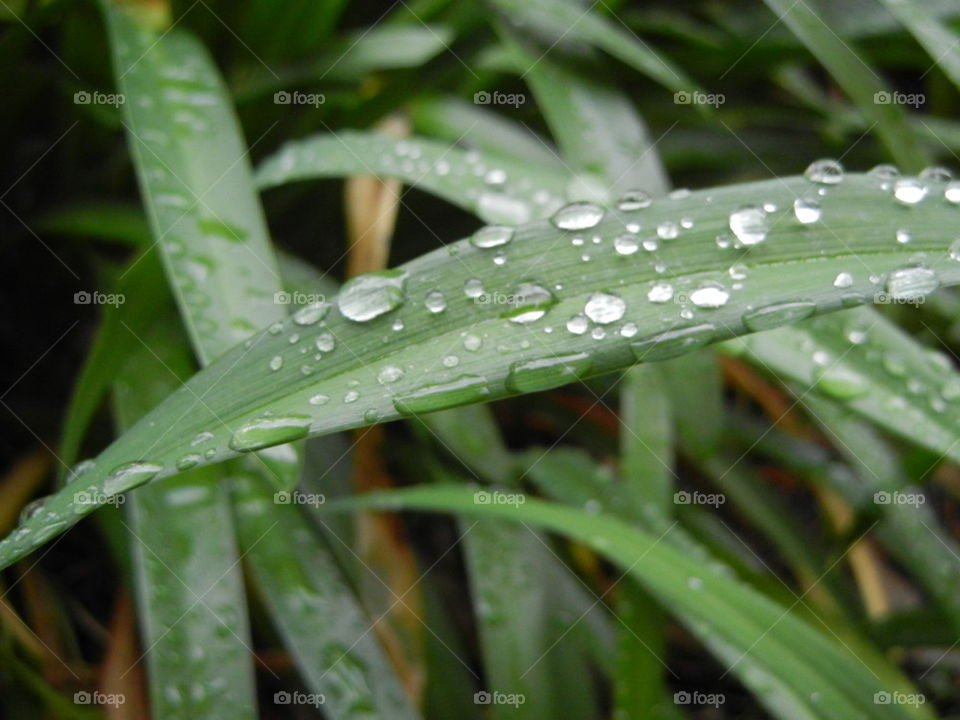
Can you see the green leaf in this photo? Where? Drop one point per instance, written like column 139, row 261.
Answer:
column 936, row 37
column 497, row 188
column 856, row 78
column 871, row 366
column 556, row 19
column 792, row 668
column 190, row 598
column 497, row 356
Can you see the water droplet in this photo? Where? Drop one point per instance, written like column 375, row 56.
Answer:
column 955, row 250
column 389, row 374
column 312, row 313
column 472, row 342
column 577, row 324
column 807, row 211
column 544, row 373
column 668, row 230
column 270, row 431
column 909, row 191
column 737, row 271
column 473, row 288
column 749, row 225
column 885, row 172
column 368, row 296
column 936, row 173
column 604, row 308
column 710, row 295
column 903, row 236
column 629, row 330
column 188, row 461
column 840, row 381
column 130, row 475
column 824, row 172
column 661, row 292
column 626, row 244
column 325, row 342
column 633, row 200
column 531, row 303
column 351, row 397
column 492, row 236
column 435, row 301
column 577, row 216
column 451, row 361
column 672, row 343
column 276, row 362
column 319, row 399
column 911, row 283
column 843, row 280
column 951, row 192
column 777, row 314
column 463, row 390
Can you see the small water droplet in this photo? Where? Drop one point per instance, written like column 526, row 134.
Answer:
column 435, row 301
column 633, row 200
column 626, row 244
column 325, row 342
column 661, row 292
column 807, row 211
column 577, row 325
column 270, row 431
column 319, row 399
column 843, row 280
column 903, row 236
column 668, row 230
column 909, row 191
column 710, row 295
column 545, row 373
column 492, row 236
column 951, row 192
column 389, row 374
column 371, row 295
column 312, row 313
column 911, row 283
column 276, row 362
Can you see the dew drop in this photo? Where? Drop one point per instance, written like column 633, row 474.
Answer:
column 633, row 200
column 435, row 301
column 661, row 292
column 578, row 324
column 626, row 244
column 843, row 280
column 909, row 191
column 312, row 313
column 389, row 374
column 473, row 288
column 825, row 172
column 319, row 399
column 371, row 295
column 276, row 362
column 577, row 216
column 270, row 431
column 668, row 230
column 604, row 308
column 325, row 342
column 710, row 295
column 911, row 283
column 749, row 225
column 807, row 211
column 492, row 236
column 951, row 192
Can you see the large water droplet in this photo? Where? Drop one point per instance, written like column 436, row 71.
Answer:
column 951, row 192
column 389, row 374
column 771, row 316
column 672, row 343
column 604, row 308
column 749, row 225
column 270, row 431
column 661, row 292
column 578, row 324
column 473, row 288
column 912, row 283
column 825, row 172
column 130, row 475
column 325, row 342
column 463, row 390
column 843, row 280
column 577, row 216
column 371, row 295
column 544, row 373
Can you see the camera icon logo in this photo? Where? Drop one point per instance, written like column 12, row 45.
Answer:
column 882, row 97
column 482, row 697
column 82, row 97
column 682, row 97
column 82, row 697
column 282, row 97
column 682, row 697
column 481, row 497
column 882, row 497
column 481, row 98
column 282, row 298
column 82, row 298
column 281, row 498
column 681, row 497
column 282, row 697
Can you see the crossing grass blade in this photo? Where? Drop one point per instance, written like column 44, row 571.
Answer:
column 792, row 668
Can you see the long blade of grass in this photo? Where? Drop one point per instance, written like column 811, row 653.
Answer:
column 855, row 76
column 268, row 373
column 497, row 188
column 940, row 42
column 792, row 668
